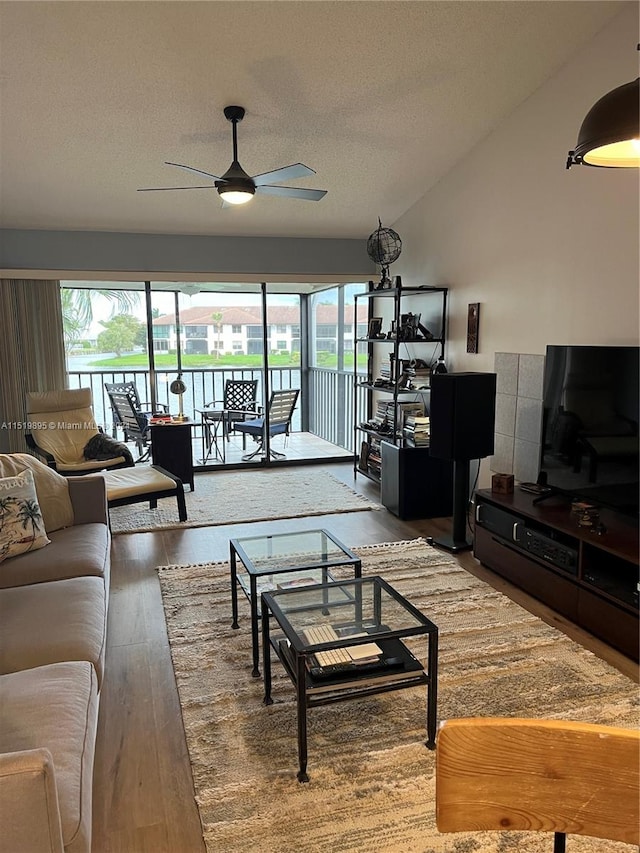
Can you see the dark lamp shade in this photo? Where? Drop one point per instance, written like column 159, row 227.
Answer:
column 177, row 387
column 610, row 134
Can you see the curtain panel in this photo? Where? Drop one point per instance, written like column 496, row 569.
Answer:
column 32, row 356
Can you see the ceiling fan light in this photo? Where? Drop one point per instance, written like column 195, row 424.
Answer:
column 610, row 133
column 235, row 196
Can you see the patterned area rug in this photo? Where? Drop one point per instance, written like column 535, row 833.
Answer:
column 231, row 497
column 372, row 778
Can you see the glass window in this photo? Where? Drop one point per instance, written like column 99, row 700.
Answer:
column 236, row 329
column 326, row 330
column 195, row 331
column 332, row 325
column 105, row 339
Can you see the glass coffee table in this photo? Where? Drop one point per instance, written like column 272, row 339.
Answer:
column 362, row 621
column 281, row 561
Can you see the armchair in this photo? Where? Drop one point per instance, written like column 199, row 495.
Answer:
column 280, row 411
column 64, row 433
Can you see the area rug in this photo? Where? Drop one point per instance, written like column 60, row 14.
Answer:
column 371, row 786
column 231, row 497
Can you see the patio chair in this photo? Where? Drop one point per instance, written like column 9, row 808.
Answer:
column 136, row 424
column 280, row 411
column 238, row 402
column 64, row 433
column 131, row 389
column 509, row 774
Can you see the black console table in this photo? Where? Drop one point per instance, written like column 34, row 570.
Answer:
column 172, row 449
column 591, row 579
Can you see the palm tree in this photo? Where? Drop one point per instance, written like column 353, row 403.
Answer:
column 29, row 513
column 77, row 309
column 217, row 319
column 5, row 508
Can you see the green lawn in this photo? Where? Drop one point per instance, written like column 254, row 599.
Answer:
column 208, row 362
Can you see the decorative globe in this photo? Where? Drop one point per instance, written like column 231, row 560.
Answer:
column 384, row 246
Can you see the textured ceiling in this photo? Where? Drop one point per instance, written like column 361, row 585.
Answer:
column 380, row 98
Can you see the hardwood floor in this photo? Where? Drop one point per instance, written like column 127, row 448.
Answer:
column 143, row 792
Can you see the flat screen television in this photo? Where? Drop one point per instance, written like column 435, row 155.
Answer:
column 590, row 424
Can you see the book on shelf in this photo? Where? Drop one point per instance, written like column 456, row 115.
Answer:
column 406, row 410
column 363, row 653
column 355, row 681
column 364, row 456
column 417, row 430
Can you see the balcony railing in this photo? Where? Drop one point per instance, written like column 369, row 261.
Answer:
column 328, row 405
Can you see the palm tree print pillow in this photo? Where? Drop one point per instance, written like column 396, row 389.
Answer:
column 21, row 524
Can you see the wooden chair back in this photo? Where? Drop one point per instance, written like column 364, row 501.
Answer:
column 538, row 775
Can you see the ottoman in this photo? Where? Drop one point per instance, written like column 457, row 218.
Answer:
column 144, row 483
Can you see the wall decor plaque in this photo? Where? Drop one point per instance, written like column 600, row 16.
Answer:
column 473, row 322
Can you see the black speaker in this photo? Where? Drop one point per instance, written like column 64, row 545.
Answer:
column 462, row 412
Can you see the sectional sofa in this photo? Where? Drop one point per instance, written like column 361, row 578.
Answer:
column 53, row 622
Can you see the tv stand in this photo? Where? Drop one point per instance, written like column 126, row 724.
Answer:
column 550, row 492
column 590, row 578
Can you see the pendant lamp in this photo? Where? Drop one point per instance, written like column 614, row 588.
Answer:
column 610, row 134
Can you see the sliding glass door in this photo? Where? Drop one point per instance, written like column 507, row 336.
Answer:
column 152, row 333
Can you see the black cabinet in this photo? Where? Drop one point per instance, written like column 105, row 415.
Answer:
column 172, row 449
column 415, row 485
column 591, row 579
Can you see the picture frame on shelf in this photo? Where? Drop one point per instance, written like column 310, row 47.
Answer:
column 375, row 328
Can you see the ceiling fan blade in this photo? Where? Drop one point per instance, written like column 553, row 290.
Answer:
column 292, row 192
column 286, row 173
column 192, row 169
column 162, row 189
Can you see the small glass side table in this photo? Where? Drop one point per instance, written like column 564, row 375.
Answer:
column 214, row 433
column 258, row 564
column 360, row 611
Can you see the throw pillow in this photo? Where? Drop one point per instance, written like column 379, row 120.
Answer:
column 21, row 524
column 51, row 488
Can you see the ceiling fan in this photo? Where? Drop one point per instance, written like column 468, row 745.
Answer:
column 237, row 187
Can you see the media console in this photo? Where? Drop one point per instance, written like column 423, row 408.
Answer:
column 590, row 578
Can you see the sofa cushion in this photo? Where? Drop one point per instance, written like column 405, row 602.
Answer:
column 53, row 622
column 21, row 523
column 52, row 489
column 54, row 707
column 73, row 552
